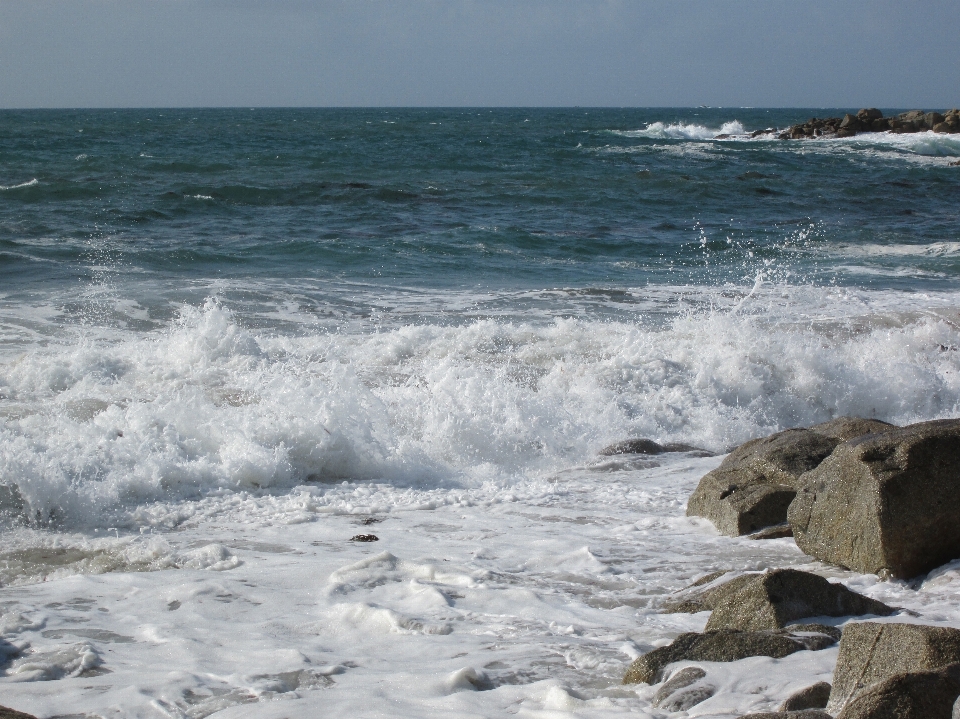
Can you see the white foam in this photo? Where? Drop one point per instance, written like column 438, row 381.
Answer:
column 90, row 430
column 682, row 131
column 29, row 183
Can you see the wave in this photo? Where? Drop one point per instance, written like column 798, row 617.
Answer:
column 680, row 131
column 30, row 183
column 934, row 249
column 91, row 429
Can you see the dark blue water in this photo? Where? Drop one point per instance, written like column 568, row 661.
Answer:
column 468, row 198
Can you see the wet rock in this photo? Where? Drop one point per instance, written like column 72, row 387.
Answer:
column 648, row 446
column 871, row 652
column 721, row 646
column 943, row 127
column 869, row 114
column 912, row 695
column 674, row 695
column 365, row 538
column 814, row 696
column 704, row 594
column 777, row 531
column 6, row 713
column 931, row 119
column 885, row 503
column 772, row 600
column 755, row 483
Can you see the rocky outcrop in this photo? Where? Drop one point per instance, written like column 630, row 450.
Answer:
column 871, row 653
column 814, row 696
column 720, row 646
column 755, row 483
column 648, row 446
column 885, row 503
column 676, row 694
column 772, row 600
column 872, row 120
column 912, row 695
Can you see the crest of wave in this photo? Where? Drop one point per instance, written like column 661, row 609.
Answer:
column 680, row 131
column 208, row 405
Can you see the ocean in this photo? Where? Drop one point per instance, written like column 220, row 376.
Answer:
column 232, row 340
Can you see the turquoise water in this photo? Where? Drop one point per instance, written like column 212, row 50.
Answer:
column 255, row 297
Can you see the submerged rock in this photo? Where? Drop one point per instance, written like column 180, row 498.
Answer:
column 814, row 696
column 885, row 503
column 720, row 646
column 871, row 652
column 648, row 446
column 754, row 485
column 911, row 695
column 675, row 696
column 771, row 601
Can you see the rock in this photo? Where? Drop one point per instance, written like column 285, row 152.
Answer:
column 365, row 538
column 880, row 125
column 814, row 696
column 6, row 713
column 777, row 531
column 802, row 714
column 933, row 118
column 846, row 428
column 770, row 601
column 648, row 446
column 869, row 114
column 721, row 646
column 755, row 483
column 704, row 594
column 672, row 697
column 850, row 122
column 912, row 695
column 942, row 127
column 871, row 652
column 886, row 502
column 912, row 116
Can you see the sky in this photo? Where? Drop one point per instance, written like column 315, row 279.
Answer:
column 646, row 53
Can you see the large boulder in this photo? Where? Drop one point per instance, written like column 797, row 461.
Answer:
column 771, row 601
column 912, row 695
column 755, row 483
column 885, row 503
column 720, row 646
column 871, row 652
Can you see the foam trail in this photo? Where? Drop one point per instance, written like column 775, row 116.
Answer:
column 30, row 183
column 681, row 131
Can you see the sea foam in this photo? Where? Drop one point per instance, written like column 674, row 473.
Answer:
column 90, row 428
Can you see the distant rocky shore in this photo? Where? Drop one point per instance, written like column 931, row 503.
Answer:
column 859, row 493
column 872, row 120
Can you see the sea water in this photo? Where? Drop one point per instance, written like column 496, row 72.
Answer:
column 232, row 340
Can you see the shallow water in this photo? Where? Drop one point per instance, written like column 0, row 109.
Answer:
column 230, row 341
